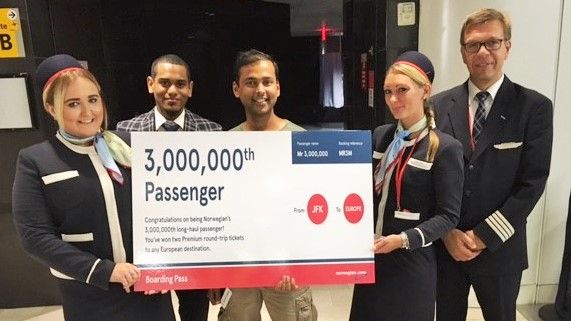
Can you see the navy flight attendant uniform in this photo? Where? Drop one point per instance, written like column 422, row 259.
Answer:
column 72, row 217
column 431, row 192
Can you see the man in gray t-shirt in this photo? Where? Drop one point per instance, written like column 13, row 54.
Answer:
column 256, row 85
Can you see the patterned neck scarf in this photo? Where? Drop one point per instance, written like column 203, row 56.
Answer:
column 394, row 149
column 110, row 148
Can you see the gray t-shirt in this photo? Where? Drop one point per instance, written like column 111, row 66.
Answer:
column 289, row 126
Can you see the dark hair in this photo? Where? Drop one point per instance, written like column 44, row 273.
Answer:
column 171, row 59
column 251, row 56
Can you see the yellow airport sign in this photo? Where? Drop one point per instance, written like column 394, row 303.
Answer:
column 11, row 40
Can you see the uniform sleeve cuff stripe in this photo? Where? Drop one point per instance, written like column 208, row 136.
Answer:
column 377, row 155
column 501, row 218
column 495, row 229
column 60, row 275
column 421, row 235
column 92, row 269
column 500, row 225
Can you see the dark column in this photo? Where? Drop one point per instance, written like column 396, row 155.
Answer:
column 24, row 281
column 48, row 27
column 373, row 39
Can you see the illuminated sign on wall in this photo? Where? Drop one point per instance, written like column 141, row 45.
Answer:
column 11, row 40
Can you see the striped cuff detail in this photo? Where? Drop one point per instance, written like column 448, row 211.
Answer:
column 60, row 275
column 92, row 269
column 424, row 244
column 421, row 235
column 501, row 226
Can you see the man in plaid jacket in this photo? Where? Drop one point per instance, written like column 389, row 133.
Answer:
column 171, row 87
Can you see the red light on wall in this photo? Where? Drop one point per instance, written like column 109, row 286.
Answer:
column 324, row 30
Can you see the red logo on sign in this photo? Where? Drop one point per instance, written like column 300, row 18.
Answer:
column 353, row 208
column 317, row 209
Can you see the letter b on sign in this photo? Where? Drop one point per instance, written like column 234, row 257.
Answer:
column 5, row 42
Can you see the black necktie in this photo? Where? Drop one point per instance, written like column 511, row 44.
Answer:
column 480, row 117
column 170, row 126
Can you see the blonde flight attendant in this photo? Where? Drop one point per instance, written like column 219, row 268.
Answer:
column 72, row 203
column 418, row 183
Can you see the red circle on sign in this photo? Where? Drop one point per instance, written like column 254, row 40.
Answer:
column 353, row 208
column 317, row 209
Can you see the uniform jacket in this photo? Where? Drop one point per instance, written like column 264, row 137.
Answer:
column 72, row 217
column 406, row 286
column 506, row 173
column 146, row 123
column 431, row 189
column 69, row 213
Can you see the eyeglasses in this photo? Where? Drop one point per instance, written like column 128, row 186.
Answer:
column 492, row 44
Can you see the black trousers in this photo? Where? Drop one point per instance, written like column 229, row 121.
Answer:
column 193, row 305
column 496, row 294
column 563, row 299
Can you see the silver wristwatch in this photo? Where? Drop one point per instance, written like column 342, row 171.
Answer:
column 404, row 239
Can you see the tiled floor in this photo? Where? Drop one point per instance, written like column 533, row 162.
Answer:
column 332, row 302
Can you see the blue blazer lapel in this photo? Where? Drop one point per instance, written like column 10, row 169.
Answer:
column 497, row 118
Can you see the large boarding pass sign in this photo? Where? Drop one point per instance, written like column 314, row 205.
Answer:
column 241, row 209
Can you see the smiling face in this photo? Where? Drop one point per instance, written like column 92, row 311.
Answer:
column 257, row 88
column 82, row 113
column 485, row 66
column 171, row 89
column 405, row 98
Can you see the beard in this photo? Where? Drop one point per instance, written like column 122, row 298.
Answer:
column 171, row 112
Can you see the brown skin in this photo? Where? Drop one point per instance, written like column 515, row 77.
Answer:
column 258, row 90
column 171, row 89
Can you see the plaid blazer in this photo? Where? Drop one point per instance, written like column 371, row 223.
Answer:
column 146, row 123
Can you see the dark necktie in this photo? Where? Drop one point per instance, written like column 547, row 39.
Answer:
column 480, row 116
column 170, row 126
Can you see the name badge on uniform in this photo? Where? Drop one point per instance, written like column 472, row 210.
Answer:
column 225, row 297
column 406, row 215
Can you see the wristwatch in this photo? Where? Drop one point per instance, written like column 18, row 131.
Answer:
column 404, row 238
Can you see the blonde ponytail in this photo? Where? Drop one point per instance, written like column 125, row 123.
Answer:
column 433, row 140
